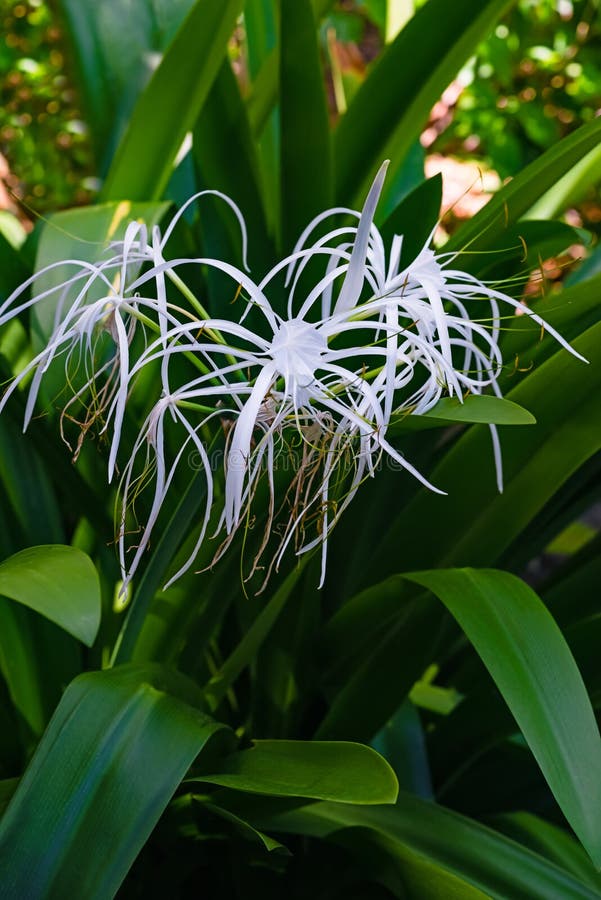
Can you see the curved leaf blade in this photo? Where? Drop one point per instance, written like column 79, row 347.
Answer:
column 113, row 46
column 372, row 129
column 415, row 831
column 171, row 103
column 472, row 410
column 60, row 583
column 321, row 770
column 519, row 196
column 305, row 150
column 528, row 658
column 116, row 749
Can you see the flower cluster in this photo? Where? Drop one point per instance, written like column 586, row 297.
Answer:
column 360, row 342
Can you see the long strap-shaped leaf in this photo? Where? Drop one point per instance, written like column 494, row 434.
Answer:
column 170, row 105
column 522, row 192
column 226, row 156
column 425, row 842
column 531, row 663
column 306, row 183
column 111, row 45
column 116, row 749
column 392, row 105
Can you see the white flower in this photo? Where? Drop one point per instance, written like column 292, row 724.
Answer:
column 303, row 376
column 359, row 342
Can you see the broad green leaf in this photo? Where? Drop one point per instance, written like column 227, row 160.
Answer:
column 261, row 33
column 571, row 312
column 484, row 859
column 393, row 104
column 262, row 29
column 305, row 161
column 115, row 751
column 474, row 409
column 529, row 660
column 171, row 103
column 519, row 248
column 115, row 46
column 58, row 582
column 321, row 770
column 515, row 199
column 264, row 57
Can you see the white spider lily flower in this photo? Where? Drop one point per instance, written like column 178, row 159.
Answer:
column 436, row 296
column 287, row 381
column 297, row 373
column 79, row 321
column 319, row 377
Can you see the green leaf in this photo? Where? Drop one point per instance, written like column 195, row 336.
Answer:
column 529, row 660
column 171, row 103
column 28, row 494
column 571, row 189
column 112, row 44
column 58, row 582
column 154, row 574
column 516, row 198
column 264, row 57
column 572, row 311
column 550, row 841
column 114, row 753
column 519, row 248
column 241, row 826
column 321, row 770
column 306, row 182
column 392, row 106
column 474, row 409
column 415, row 831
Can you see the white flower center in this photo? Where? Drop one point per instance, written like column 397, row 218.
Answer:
column 297, row 349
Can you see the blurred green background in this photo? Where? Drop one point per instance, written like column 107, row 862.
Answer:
column 537, row 78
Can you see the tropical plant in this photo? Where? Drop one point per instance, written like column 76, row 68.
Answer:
column 422, row 725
